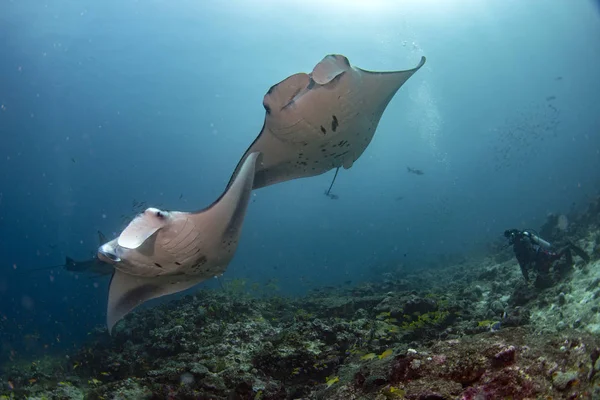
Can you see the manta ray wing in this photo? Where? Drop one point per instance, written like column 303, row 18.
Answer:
column 126, row 292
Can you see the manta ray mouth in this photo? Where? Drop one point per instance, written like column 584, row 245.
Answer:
column 108, row 255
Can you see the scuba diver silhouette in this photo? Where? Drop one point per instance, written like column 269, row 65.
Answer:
column 535, row 253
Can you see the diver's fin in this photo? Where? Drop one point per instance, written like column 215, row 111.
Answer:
column 126, row 291
column 580, row 252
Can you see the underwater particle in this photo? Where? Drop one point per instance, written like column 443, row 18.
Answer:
column 27, row 302
column 186, row 378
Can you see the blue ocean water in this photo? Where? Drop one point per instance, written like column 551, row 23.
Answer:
column 108, row 104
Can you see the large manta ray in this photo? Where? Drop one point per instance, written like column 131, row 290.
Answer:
column 162, row 252
column 323, row 120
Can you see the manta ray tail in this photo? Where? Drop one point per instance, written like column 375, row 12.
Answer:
column 327, row 193
column 42, row 268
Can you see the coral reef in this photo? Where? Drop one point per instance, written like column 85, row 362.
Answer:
column 473, row 330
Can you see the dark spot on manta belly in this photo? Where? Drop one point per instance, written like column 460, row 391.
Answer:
column 334, row 123
column 178, row 263
column 323, row 130
column 158, row 265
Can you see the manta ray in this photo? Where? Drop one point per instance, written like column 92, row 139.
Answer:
column 164, row 252
column 91, row 265
column 323, row 120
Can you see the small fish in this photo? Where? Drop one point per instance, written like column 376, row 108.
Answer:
column 32, row 381
column 369, row 356
column 415, row 171
column 558, row 78
column 105, row 373
column 180, row 196
column 385, row 354
column 331, row 381
column 399, row 198
column 397, row 392
column 75, row 365
column 550, row 98
column 73, row 159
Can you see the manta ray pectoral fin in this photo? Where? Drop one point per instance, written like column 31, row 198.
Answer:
column 330, row 67
column 126, row 292
column 142, row 228
column 227, row 213
column 380, row 87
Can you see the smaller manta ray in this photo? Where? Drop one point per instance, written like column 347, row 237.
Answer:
column 323, row 120
column 92, row 265
column 165, row 252
column 414, row 171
